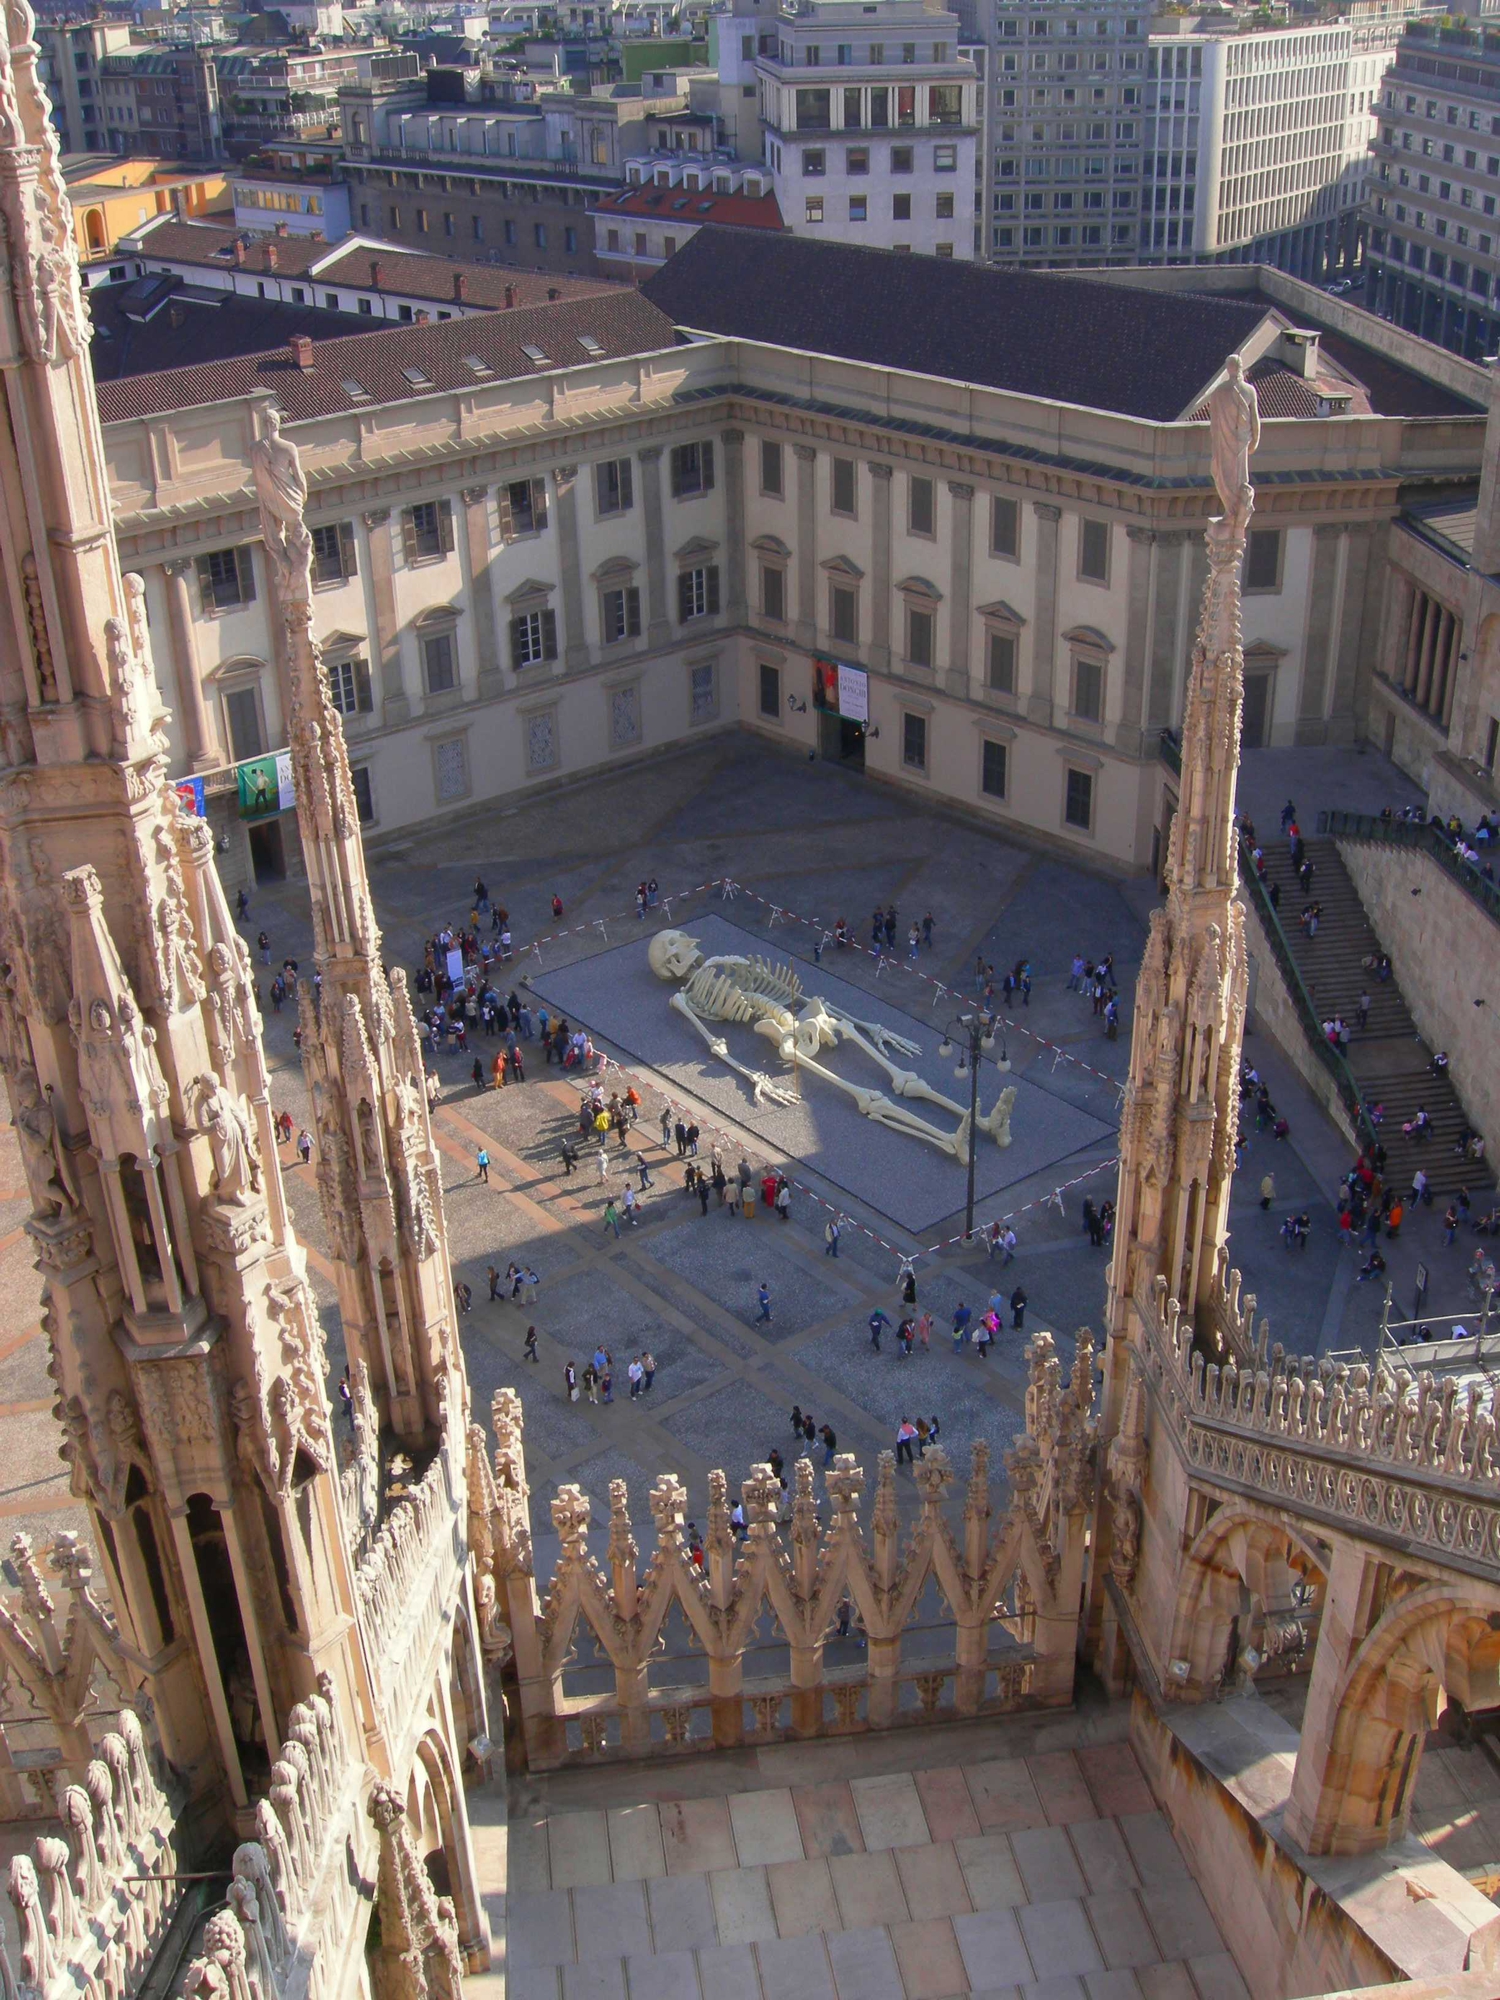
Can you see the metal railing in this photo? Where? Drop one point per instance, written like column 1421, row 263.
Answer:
column 1337, row 1064
column 1425, row 838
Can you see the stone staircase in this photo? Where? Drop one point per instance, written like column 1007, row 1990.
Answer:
column 1388, row 1057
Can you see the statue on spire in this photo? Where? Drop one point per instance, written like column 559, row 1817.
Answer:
column 281, row 489
column 1234, row 430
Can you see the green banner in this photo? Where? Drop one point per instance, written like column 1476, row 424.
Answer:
column 265, row 785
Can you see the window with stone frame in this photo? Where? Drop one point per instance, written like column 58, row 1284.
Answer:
column 226, row 580
column 1263, row 559
column 1088, row 687
column 698, row 592
column 994, row 768
column 703, row 691
column 349, row 686
column 620, row 613
column 1000, row 660
column 920, row 635
column 614, row 487
column 533, row 638
column 523, row 508
column 334, row 555
column 1078, row 800
column 843, row 612
column 1005, row 527
column 364, row 798
column 427, row 531
column 921, row 509
column 245, row 726
column 844, row 481
column 440, row 662
column 450, row 762
column 770, row 690
column 773, row 592
column 692, row 468
column 914, row 741
column 772, row 473
column 1093, row 550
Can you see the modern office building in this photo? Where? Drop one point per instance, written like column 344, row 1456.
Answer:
column 1434, row 238
column 1064, row 90
column 1257, row 141
column 870, row 119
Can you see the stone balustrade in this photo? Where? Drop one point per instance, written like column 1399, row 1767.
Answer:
column 92, row 1906
column 292, row 1908
column 1412, row 1459
column 408, row 1576
column 994, row 1613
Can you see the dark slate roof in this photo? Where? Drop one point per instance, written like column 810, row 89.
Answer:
column 1071, row 340
column 384, row 364
column 137, row 334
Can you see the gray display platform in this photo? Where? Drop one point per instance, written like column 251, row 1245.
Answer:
column 618, row 998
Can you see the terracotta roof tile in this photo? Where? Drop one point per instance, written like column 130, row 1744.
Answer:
column 742, row 211
column 620, row 321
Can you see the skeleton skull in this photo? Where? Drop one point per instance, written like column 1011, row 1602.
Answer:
column 673, row 954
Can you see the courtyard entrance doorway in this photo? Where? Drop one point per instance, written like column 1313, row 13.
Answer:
column 841, row 741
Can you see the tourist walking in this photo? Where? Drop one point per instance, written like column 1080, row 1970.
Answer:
column 531, row 1353
column 877, row 1323
column 831, row 1237
column 1017, row 1308
column 483, row 1173
column 763, row 1302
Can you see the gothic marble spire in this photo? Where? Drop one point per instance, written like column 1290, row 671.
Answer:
column 1181, row 1101
column 377, row 1168
column 184, row 1340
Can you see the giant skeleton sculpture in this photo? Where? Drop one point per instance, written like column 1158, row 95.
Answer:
column 731, row 989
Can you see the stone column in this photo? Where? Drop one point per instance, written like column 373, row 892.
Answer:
column 1165, row 628
column 575, row 636
column 1359, row 632
column 806, row 627
column 1412, row 658
column 1317, row 642
column 736, row 607
column 1044, row 631
column 1131, row 736
column 880, row 568
column 1332, row 1806
column 395, row 704
column 476, row 501
column 961, row 586
column 1432, row 625
column 658, row 618
column 198, row 737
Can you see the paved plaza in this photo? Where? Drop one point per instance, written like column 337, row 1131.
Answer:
column 801, row 841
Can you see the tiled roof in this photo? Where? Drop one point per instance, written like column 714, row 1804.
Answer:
column 1393, row 390
column 403, row 273
column 1069, row 340
column 675, row 204
column 402, row 362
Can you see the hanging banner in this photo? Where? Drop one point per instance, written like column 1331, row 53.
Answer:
column 265, row 785
column 190, row 791
column 840, row 690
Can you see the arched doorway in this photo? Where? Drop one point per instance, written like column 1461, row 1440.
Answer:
column 1248, row 1602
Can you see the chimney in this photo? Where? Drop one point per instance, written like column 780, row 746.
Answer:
column 375, row 273
column 423, row 318
column 460, row 286
column 510, row 295
column 239, row 251
column 283, row 229
column 302, row 352
column 554, row 291
column 270, row 256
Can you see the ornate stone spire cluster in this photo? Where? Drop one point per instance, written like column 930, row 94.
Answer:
column 377, row 1167
column 1178, row 1129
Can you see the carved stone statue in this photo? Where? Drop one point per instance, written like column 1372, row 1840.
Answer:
column 237, row 1169
column 1234, row 431
column 768, row 996
column 281, row 489
column 49, row 1171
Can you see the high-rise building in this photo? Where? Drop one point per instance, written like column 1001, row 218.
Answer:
column 1064, row 87
column 69, row 55
column 870, row 117
column 1256, row 142
column 1434, row 238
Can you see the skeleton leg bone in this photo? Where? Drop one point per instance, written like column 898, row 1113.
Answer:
column 875, row 1104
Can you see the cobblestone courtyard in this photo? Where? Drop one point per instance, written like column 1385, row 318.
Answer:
column 805, row 841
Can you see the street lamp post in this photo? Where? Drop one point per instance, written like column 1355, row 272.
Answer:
column 975, row 1035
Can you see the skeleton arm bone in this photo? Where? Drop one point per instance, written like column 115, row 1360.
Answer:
column 761, row 1085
